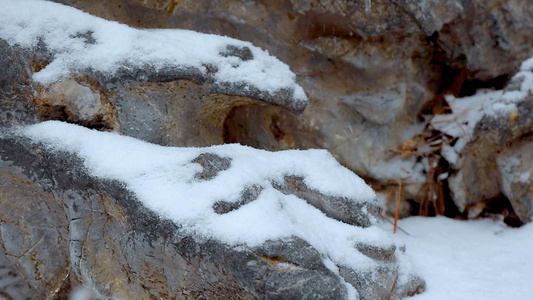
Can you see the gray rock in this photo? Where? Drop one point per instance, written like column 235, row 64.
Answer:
column 493, row 161
column 516, row 175
column 211, row 165
column 381, row 106
column 142, row 116
column 244, row 53
column 377, row 253
column 16, row 91
column 75, row 103
column 340, row 49
column 12, row 285
column 340, row 208
column 488, row 38
column 248, row 195
column 99, row 235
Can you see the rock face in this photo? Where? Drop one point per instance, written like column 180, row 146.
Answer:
column 16, row 97
column 340, row 48
column 175, row 112
column 98, row 234
column 180, row 96
column 12, row 284
column 515, row 168
column 376, row 73
column 371, row 69
column 62, row 228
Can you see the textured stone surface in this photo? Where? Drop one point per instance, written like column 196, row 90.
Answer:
column 16, row 91
column 179, row 113
column 12, row 285
column 495, row 162
column 368, row 67
column 432, row 15
column 516, row 170
column 73, row 102
column 98, row 234
column 158, row 108
column 338, row 208
column 491, row 37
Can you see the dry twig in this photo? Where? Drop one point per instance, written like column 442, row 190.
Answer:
column 397, row 211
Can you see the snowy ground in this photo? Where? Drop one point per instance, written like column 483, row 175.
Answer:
column 480, row 259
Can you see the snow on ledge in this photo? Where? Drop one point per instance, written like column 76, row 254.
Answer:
column 82, row 42
column 467, row 112
column 163, row 178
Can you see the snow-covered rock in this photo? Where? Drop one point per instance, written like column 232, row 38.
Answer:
column 490, row 132
column 78, row 42
column 171, row 87
column 224, row 220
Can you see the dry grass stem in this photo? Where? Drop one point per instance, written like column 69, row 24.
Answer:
column 397, row 210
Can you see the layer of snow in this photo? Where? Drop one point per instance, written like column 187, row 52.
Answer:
column 467, row 112
column 82, row 293
column 62, row 29
column 524, row 177
column 399, row 168
column 163, row 178
column 480, row 259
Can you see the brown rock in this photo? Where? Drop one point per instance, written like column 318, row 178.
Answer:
column 73, row 102
column 33, row 231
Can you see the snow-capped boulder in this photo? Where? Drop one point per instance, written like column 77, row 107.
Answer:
column 129, row 219
column 172, row 87
column 491, row 132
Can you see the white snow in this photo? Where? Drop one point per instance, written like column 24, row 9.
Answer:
column 396, row 168
column 26, row 23
column 163, row 179
column 524, row 177
column 82, row 293
column 527, row 65
column 479, row 259
column 467, row 112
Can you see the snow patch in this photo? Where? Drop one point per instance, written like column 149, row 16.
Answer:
column 82, row 293
column 524, row 177
column 163, row 178
column 399, row 168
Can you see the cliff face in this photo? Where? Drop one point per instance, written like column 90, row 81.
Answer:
column 228, row 222
column 375, row 72
column 390, row 88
